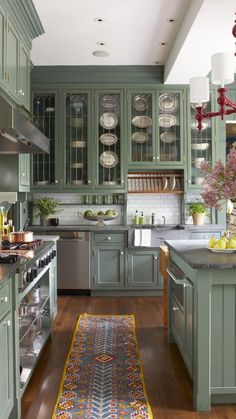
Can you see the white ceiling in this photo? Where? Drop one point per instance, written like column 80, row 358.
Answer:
column 133, row 30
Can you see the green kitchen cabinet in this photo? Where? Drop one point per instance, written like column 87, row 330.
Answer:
column 201, row 147
column 12, row 58
column 6, row 352
column 24, row 76
column 3, row 23
column 142, row 269
column 45, row 167
column 15, row 173
column 156, row 128
column 109, row 140
column 109, row 261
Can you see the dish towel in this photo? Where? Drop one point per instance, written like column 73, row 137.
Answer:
column 142, row 237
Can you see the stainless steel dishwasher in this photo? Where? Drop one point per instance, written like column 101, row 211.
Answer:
column 73, row 263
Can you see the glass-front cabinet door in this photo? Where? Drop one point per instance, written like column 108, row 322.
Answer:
column 170, row 127
column 140, row 126
column 109, row 140
column 76, row 139
column 200, row 147
column 44, row 169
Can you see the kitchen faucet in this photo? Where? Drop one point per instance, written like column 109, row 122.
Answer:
column 164, row 219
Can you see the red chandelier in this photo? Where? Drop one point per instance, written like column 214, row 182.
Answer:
column 222, row 72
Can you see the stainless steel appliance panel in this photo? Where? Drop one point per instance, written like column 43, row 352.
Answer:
column 73, row 261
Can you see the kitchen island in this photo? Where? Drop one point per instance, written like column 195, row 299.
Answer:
column 202, row 318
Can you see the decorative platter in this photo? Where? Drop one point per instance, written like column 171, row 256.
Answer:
column 108, row 101
column 108, row 159
column 167, row 121
column 168, row 102
column 108, row 139
column 172, row 182
column 99, row 218
column 225, row 251
column 200, row 146
column 108, row 120
column 168, row 137
column 139, row 137
column 142, row 121
column 140, row 103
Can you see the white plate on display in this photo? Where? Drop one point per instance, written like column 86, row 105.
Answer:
column 225, row 251
column 108, row 139
column 77, row 165
column 200, row 146
column 142, row 121
column 77, row 182
column 78, row 143
column 108, row 159
column 168, row 102
column 41, row 182
column 167, row 121
column 77, row 122
column 139, row 137
column 108, row 120
column 108, row 101
column 168, row 137
column 172, row 182
column 140, row 103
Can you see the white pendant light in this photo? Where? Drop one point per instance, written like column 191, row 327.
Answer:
column 199, row 90
column 222, row 69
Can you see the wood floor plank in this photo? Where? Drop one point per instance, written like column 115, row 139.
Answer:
column 168, row 384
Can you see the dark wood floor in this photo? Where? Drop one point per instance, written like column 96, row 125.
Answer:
column 168, row 384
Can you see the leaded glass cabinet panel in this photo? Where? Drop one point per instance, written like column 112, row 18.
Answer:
column 108, row 140
column 141, row 127
column 169, row 127
column 44, row 165
column 77, row 139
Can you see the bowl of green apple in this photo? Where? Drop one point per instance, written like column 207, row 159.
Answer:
column 100, row 216
column 222, row 245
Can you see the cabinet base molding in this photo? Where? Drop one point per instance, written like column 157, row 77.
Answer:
column 126, row 293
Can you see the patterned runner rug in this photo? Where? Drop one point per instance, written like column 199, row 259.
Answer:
column 103, row 376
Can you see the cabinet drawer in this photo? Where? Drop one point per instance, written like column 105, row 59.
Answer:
column 109, row 238
column 177, row 323
column 5, row 298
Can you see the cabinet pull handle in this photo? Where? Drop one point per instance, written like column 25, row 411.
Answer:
column 155, row 257
column 157, row 157
column 4, row 299
column 109, row 238
column 56, row 181
column 174, row 308
column 7, row 323
column 89, row 181
column 121, row 253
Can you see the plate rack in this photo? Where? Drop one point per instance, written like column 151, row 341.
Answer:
column 155, row 183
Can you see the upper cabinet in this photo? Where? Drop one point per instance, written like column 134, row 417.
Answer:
column 201, row 147
column 19, row 25
column 155, row 127
column 77, row 139
column 44, row 169
column 109, row 140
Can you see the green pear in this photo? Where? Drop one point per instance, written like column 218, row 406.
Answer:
column 220, row 244
column 231, row 244
column 212, row 241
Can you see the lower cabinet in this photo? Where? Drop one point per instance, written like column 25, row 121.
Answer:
column 6, row 352
column 142, row 269
column 109, row 267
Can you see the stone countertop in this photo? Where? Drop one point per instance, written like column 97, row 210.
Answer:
column 196, row 254
column 121, row 227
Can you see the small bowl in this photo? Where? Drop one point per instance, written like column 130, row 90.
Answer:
column 200, row 146
column 53, row 221
column 198, row 161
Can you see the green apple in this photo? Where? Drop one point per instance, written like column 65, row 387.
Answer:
column 220, row 244
column 101, row 213
column 115, row 213
column 88, row 213
column 109, row 212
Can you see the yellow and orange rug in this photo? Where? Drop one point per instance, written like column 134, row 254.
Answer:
column 103, row 375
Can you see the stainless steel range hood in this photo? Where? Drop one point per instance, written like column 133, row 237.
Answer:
column 17, row 133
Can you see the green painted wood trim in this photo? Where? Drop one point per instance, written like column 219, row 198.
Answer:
column 126, row 293
column 104, row 74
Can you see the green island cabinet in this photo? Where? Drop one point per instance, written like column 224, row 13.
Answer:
column 6, row 350
column 87, row 142
column 202, row 289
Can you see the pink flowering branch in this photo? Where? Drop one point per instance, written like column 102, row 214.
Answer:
column 219, row 183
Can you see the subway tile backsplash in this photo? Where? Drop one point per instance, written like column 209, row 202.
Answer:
column 167, row 205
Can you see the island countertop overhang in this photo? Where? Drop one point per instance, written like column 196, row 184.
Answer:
column 196, row 255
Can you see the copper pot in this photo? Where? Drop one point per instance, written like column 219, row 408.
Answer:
column 21, row 236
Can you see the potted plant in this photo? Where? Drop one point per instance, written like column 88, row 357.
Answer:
column 197, row 210
column 47, row 206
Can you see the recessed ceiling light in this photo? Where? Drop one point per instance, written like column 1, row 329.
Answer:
column 101, row 44
column 100, row 53
column 99, row 19
column 157, row 62
column 163, row 44
column 172, row 20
